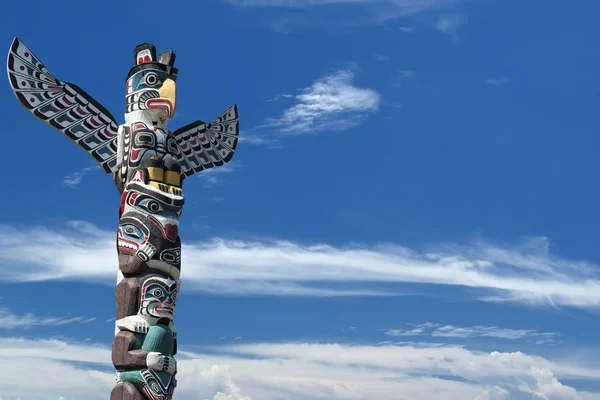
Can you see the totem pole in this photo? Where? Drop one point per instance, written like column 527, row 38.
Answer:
column 148, row 163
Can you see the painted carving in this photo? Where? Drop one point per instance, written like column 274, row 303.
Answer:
column 149, row 164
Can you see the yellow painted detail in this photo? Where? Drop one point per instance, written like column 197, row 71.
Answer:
column 168, row 90
column 155, row 174
column 172, row 178
column 166, row 188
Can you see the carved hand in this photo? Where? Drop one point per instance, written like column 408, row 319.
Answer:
column 158, row 362
column 133, row 323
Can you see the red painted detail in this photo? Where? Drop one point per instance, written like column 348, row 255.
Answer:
column 26, row 54
column 94, row 122
column 31, row 99
column 131, row 198
column 171, row 232
column 162, row 230
column 135, row 154
column 140, row 60
column 203, row 139
column 22, row 68
column 127, row 249
column 122, row 203
column 138, row 126
column 165, row 104
column 23, row 83
column 147, row 59
column 137, row 177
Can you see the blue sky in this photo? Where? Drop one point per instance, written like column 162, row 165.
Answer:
column 412, row 208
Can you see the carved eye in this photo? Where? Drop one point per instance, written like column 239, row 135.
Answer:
column 145, row 139
column 131, row 231
column 157, row 292
column 155, row 387
column 152, row 206
column 152, row 79
column 172, row 146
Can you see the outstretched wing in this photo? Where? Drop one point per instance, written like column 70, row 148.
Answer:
column 64, row 106
column 203, row 146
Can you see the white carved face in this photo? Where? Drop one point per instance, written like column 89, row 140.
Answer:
column 158, row 297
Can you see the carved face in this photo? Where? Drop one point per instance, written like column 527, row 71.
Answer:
column 163, row 215
column 148, row 141
column 154, row 91
column 158, row 296
column 149, row 228
column 154, row 388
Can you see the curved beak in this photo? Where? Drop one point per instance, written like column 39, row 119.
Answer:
column 168, row 90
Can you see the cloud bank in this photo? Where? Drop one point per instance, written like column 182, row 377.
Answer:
column 298, row 371
column 527, row 273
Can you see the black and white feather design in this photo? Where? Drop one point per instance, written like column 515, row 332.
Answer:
column 203, row 146
column 62, row 105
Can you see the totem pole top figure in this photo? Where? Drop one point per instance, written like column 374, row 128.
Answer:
column 151, row 99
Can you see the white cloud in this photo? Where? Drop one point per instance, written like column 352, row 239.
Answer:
column 450, row 23
column 406, row 29
column 402, row 75
column 381, row 58
column 290, row 3
column 438, row 330
column 528, row 272
column 74, row 179
column 282, row 97
column 292, row 14
column 270, row 142
column 211, row 176
column 332, row 103
column 503, row 80
column 299, row 371
column 9, row 320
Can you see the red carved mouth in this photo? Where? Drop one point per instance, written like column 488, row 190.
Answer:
column 161, row 103
column 164, row 309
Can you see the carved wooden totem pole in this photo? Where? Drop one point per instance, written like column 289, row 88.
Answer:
column 148, row 163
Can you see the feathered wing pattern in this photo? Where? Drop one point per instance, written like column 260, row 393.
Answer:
column 203, row 146
column 64, row 106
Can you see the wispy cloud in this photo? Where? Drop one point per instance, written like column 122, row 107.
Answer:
column 451, row 24
column 406, row 29
column 349, row 14
column 264, row 140
column 212, row 176
column 332, row 103
column 437, row 330
column 401, row 76
column 74, row 179
column 382, row 58
column 9, row 320
column 281, row 97
column 301, row 371
column 527, row 272
column 503, row 80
